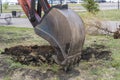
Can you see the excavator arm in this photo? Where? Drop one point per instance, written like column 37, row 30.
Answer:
column 60, row 26
column 33, row 14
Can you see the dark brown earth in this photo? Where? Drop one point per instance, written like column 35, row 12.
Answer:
column 97, row 52
column 8, row 73
column 117, row 33
column 31, row 55
column 38, row 55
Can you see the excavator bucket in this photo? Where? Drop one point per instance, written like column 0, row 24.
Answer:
column 64, row 30
column 60, row 26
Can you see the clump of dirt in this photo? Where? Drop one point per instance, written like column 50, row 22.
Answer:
column 31, row 55
column 96, row 51
column 117, row 33
column 38, row 55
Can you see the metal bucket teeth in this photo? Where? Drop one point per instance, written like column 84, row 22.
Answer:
column 64, row 30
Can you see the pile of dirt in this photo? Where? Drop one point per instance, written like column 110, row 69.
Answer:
column 31, row 55
column 37, row 55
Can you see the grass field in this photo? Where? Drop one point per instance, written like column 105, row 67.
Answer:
column 12, row 8
column 95, row 69
column 10, row 36
column 103, row 14
column 110, row 15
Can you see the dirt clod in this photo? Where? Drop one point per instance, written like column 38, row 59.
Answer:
column 38, row 55
column 117, row 33
column 96, row 51
column 31, row 55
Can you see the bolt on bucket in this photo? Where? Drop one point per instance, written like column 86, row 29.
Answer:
column 64, row 30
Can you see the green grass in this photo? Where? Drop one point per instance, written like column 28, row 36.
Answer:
column 10, row 36
column 94, row 69
column 13, row 64
column 103, row 14
column 12, row 8
column 7, row 78
column 103, row 69
column 73, row 5
column 110, row 15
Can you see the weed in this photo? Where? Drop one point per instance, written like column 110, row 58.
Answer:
column 7, row 78
column 16, row 65
column 11, row 36
column 115, row 64
column 13, row 64
column 111, row 15
column 55, row 68
column 102, row 69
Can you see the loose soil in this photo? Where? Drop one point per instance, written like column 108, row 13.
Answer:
column 117, row 33
column 31, row 55
column 37, row 55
